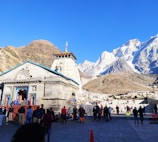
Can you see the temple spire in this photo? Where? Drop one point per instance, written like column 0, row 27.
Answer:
column 66, row 46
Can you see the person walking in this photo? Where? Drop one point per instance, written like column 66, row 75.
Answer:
column 4, row 112
column 109, row 112
column 106, row 113
column 141, row 114
column 135, row 114
column 155, row 109
column 94, row 112
column 35, row 115
column 117, row 109
column 21, row 112
column 81, row 113
column 29, row 114
column 41, row 113
column 63, row 114
column 47, row 123
column 75, row 113
column 52, row 113
column 10, row 113
column 99, row 112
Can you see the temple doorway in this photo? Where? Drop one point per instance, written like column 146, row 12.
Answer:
column 21, row 94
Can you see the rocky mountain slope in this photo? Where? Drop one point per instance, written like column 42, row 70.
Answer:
column 121, row 83
column 39, row 51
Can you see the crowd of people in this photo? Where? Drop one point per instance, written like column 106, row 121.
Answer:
column 30, row 118
column 76, row 114
column 37, row 123
column 28, row 115
column 99, row 112
column 105, row 112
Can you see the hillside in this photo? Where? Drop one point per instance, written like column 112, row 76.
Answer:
column 120, row 83
column 39, row 51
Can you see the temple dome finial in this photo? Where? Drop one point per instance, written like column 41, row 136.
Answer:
column 66, row 46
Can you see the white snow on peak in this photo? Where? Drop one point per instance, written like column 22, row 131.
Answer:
column 85, row 65
column 86, row 62
column 142, row 57
column 106, row 58
column 127, row 49
column 154, row 37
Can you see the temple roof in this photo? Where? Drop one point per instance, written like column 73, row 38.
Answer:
column 44, row 67
column 65, row 54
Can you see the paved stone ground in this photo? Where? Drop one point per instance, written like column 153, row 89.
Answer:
column 119, row 129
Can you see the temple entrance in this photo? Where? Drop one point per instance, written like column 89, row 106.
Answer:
column 21, row 94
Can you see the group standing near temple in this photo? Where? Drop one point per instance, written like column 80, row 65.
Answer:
column 30, row 114
column 45, row 117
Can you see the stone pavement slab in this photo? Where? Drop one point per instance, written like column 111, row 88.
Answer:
column 116, row 130
column 119, row 129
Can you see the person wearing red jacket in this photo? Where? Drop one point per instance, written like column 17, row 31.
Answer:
column 63, row 114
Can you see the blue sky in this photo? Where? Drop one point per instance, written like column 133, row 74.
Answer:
column 90, row 26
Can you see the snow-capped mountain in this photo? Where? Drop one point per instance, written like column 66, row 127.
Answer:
column 119, row 65
column 146, row 58
column 140, row 57
column 127, row 49
column 85, row 65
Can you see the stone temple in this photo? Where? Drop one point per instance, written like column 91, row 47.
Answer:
column 33, row 84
